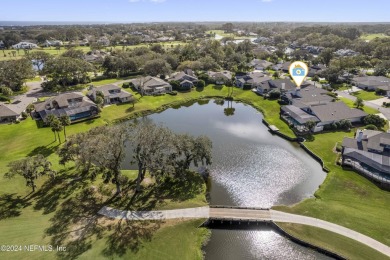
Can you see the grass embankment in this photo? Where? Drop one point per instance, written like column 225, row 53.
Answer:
column 345, row 197
column 344, row 246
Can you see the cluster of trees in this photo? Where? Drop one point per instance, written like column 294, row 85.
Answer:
column 155, row 149
column 14, row 73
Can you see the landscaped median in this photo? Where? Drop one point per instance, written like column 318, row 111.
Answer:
column 345, row 198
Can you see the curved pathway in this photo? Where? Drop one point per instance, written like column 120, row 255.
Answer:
column 245, row 214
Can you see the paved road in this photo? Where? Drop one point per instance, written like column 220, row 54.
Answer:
column 380, row 109
column 245, row 214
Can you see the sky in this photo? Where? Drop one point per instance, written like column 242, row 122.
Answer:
column 196, row 10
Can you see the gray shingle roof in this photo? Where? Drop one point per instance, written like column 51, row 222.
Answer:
column 299, row 115
column 336, row 111
column 5, row 111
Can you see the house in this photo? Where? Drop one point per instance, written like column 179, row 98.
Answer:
column 95, row 56
column 73, row 104
column 259, row 64
column 25, row 45
column 268, row 85
column 252, row 79
column 305, row 97
column 2, row 45
column 373, row 83
column 103, row 41
column 111, row 94
column 282, row 66
column 368, row 152
column 324, row 115
column 316, row 70
column 52, row 43
column 13, row 112
column 186, row 78
column 346, row 52
column 151, row 85
column 220, row 77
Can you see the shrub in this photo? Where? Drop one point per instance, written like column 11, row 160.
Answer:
column 374, row 120
column 371, row 127
column 247, row 87
column 380, row 92
column 201, row 84
column 24, row 115
column 126, row 85
column 173, row 93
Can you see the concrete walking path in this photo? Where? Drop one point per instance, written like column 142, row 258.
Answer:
column 245, row 214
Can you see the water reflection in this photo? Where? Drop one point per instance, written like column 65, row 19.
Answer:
column 250, row 167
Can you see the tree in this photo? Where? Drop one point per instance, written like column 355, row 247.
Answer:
column 100, row 150
column 359, row 103
column 56, row 126
column 200, row 84
column 68, row 71
column 73, row 53
column 161, row 152
column 374, row 120
column 156, row 67
column 38, row 58
column 310, row 124
column 31, row 168
column 13, row 73
column 65, row 121
column 326, row 56
column 6, row 91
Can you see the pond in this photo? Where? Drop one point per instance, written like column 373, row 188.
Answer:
column 251, row 167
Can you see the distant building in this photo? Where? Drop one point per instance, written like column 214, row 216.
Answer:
column 52, row 43
column 346, row 52
column 103, row 41
column 25, row 45
column 253, row 79
column 2, row 45
column 260, row 64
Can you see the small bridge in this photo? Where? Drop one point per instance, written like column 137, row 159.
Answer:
column 244, row 214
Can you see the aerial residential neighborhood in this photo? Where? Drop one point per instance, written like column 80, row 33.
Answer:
column 169, row 130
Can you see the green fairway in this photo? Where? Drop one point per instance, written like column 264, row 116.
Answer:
column 372, row 36
column 53, row 51
column 344, row 246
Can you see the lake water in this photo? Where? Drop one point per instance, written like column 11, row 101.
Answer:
column 251, row 167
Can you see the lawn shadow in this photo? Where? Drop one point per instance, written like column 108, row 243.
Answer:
column 76, row 224
column 11, row 205
column 129, row 235
column 44, row 150
column 54, row 189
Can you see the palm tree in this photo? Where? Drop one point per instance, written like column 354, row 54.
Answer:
column 55, row 124
column 49, row 119
column 65, row 121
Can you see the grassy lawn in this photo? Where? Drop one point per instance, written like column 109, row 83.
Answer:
column 350, row 103
column 334, row 242
column 366, row 95
column 372, row 36
column 346, row 198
